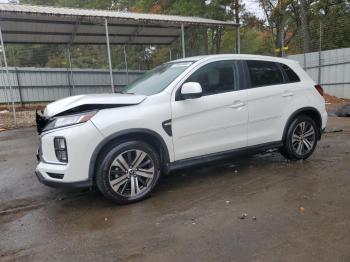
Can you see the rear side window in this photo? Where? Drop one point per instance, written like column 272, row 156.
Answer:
column 292, row 76
column 264, row 73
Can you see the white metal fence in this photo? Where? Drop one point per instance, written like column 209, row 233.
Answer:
column 49, row 84
column 329, row 68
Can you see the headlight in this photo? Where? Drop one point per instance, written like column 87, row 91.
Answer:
column 69, row 120
column 60, row 146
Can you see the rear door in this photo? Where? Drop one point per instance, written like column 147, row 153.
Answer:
column 268, row 97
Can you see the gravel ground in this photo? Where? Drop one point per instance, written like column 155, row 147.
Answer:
column 293, row 211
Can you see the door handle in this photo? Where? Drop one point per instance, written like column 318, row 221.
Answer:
column 287, row 94
column 237, row 105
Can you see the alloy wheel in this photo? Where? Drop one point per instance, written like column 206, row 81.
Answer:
column 131, row 173
column 303, row 138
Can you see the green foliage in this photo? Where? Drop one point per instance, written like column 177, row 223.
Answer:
column 258, row 36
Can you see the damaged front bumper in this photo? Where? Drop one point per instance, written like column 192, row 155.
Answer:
column 40, row 121
column 81, row 140
column 52, row 183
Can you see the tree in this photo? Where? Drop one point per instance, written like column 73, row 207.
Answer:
column 304, row 17
column 276, row 13
column 293, row 23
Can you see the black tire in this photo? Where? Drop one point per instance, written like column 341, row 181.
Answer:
column 291, row 149
column 104, row 171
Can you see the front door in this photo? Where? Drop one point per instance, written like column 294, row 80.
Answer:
column 215, row 122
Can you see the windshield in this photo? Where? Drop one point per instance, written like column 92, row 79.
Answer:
column 157, row 79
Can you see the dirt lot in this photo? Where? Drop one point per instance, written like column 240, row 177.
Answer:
column 301, row 208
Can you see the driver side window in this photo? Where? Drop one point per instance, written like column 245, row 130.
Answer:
column 216, row 77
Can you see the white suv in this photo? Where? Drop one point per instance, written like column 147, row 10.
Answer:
column 182, row 113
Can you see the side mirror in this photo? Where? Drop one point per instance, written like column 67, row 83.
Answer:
column 191, row 90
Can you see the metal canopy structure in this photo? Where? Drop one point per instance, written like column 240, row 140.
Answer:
column 26, row 24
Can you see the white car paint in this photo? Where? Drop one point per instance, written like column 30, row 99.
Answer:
column 200, row 126
column 81, row 140
column 209, row 124
column 103, row 99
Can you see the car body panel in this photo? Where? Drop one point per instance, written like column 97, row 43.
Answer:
column 154, row 110
column 201, row 126
column 71, row 102
column 81, row 140
column 209, row 124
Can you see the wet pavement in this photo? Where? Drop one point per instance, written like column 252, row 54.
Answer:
column 301, row 209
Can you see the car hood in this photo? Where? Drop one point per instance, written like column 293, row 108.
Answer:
column 91, row 102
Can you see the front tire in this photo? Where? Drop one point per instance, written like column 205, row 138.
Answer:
column 301, row 139
column 128, row 172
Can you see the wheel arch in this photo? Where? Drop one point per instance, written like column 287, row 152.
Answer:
column 309, row 111
column 142, row 134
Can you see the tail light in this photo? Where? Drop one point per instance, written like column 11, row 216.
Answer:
column 319, row 89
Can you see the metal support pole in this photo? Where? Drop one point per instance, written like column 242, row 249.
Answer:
column 126, row 66
column 238, row 26
column 8, row 78
column 238, row 38
column 282, row 43
column 4, row 86
column 183, row 40
column 19, row 87
column 17, row 79
column 68, row 74
column 109, row 55
column 70, row 77
column 319, row 55
column 170, row 55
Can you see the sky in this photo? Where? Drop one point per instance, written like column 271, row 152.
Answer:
column 4, row 1
column 253, row 7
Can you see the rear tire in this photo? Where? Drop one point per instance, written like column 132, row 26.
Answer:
column 301, row 138
column 128, row 172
